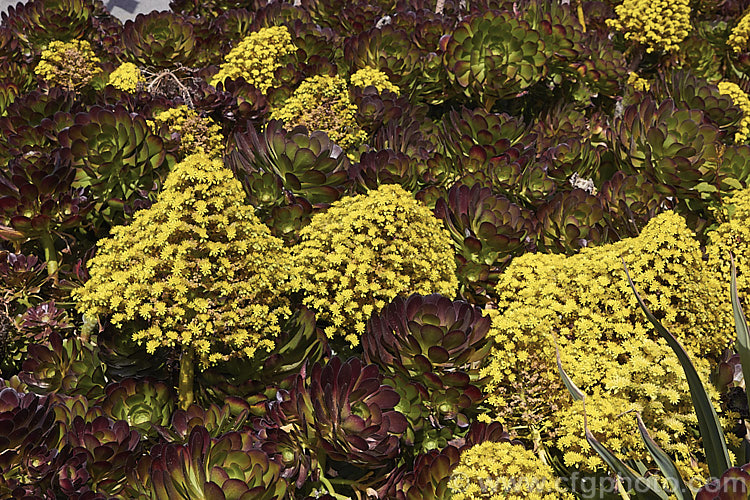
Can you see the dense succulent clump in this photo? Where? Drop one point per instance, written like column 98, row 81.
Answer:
column 342, row 411
column 584, row 304
column 322, row 103
column 198, row 267
column 207, row 468
column 494, row 55
column 372, row 76
column 431, row 349
column 503, row 470
column 196, row 133
column 70, row 65
column 127, row 77
column 740, row 99
column 659, row 25
column 364, row 251
column 205, row 211
column 159, row 40
column 257, row 57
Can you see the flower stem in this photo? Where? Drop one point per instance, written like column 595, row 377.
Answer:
column 187, row 373
column 89, row 325
column 50, row 255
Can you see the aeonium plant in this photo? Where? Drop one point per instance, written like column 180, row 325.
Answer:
column 198, row 267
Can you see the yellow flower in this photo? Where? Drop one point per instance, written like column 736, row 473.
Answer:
column 340, row 275
column 503, row 471
column 738, row 38
column 657, row 24
column 224, row 307
column 127, row 77
column 256, row 57
column 196, row 134
column 372, row 76
column 322, row 103
column 70, row 65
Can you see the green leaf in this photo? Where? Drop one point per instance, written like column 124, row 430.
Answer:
column 740, row 324
column 577, row 394
column 714, row 444
column 666, row 465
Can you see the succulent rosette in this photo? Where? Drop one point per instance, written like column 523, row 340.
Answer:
column 124, row 358
column 96, row 457
column 342, row 412
column 37, row 196
column 570, row 221
column 288, row 174
column 30, row 436
column 143, row 403
column 68, row 366
column 223, row 468
column 437, row 343
column 493, row 55
column 38, row 22
column 385, row 166
column 673, row 146
column 473, row 137
column 159, row 40
column 692, row 92
column 121, row 158
column 38, row 322
column 31, row 123
column 630, row 202
column 487, row 231
column 388, row 49
column 603, row 69
column 217, row 420
column 24, row 281
column 307, row 164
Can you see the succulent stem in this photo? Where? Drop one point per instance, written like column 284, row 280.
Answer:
column 88, row 327
column 50, row 255
column 187, row 373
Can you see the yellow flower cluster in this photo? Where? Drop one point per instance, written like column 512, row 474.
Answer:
column 256, row 57
column 322, row 103
column 371, row 76
column 197, row 134
column 733, row 237
column 606, row 343
column 638, row 83
column 503, row 471
column 656, row 24
column 70, row 65
column 738, row 38
column 740, row 99
column 364, row 251
column 127, row 77
column 198, row 267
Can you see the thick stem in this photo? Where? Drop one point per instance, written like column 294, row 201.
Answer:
column 187, row 373
column 89, row 326
column 50, row 254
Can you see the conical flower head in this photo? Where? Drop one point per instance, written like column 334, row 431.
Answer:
column 198, row 267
